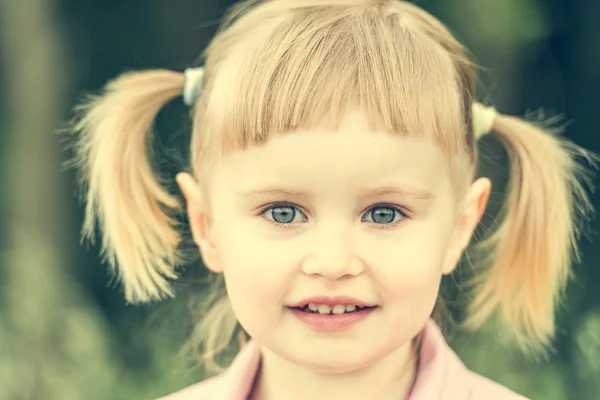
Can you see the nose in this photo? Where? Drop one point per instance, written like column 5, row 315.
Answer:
column 333, row 256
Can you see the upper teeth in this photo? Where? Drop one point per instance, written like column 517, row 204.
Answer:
column 337, row 309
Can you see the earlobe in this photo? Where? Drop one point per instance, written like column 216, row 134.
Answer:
column 199, row 221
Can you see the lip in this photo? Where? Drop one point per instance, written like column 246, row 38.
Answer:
column 332, row 301
column 331, row 322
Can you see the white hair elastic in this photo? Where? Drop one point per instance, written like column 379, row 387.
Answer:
column 483, row 119
column 192, row 85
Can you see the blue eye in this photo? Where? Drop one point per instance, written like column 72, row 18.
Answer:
column 285, row 214
column 385, row 214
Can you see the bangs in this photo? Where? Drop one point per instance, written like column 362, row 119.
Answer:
column 307, row 70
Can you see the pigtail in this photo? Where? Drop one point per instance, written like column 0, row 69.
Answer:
column 120, row 188
column 533, row 246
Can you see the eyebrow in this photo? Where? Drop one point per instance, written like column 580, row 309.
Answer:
column 402, row 191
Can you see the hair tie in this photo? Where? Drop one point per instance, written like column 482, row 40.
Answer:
column 483, row 119
column 192, row 85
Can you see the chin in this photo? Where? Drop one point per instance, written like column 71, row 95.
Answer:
column 335, row 362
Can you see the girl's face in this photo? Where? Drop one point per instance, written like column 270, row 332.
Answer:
column 352, row 213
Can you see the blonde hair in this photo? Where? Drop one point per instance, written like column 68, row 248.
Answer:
column 279, row 65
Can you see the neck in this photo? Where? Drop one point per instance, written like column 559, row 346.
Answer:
column 391, row 377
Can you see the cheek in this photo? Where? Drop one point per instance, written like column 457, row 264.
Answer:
column 250, row 257
column 258, row 273
column 252, row 288
column 249, row 248
column 411, row 269
column 409, row 281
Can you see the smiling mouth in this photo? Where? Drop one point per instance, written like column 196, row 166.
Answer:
column 338, row 309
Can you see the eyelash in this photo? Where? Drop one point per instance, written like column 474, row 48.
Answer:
column 403, row 214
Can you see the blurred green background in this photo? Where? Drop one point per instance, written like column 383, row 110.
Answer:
column 65, row 330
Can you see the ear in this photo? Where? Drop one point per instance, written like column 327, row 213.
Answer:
column 469, row 215
column 200, row 222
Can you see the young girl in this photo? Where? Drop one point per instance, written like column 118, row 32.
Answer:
column 332, row 184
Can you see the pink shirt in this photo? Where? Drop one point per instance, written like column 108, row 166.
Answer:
column 441, row 376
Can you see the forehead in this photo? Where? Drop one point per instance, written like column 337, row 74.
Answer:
column 325, row 160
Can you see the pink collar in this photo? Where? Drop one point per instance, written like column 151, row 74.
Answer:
column 440, row 370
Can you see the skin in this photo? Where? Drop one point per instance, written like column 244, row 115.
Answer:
column 334, row 245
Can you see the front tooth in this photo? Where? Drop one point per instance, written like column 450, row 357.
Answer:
column 350, row 308
column 312, row 307
column 324, row 309
column 339, row 309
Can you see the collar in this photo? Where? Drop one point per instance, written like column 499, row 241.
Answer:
column 440, row 371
